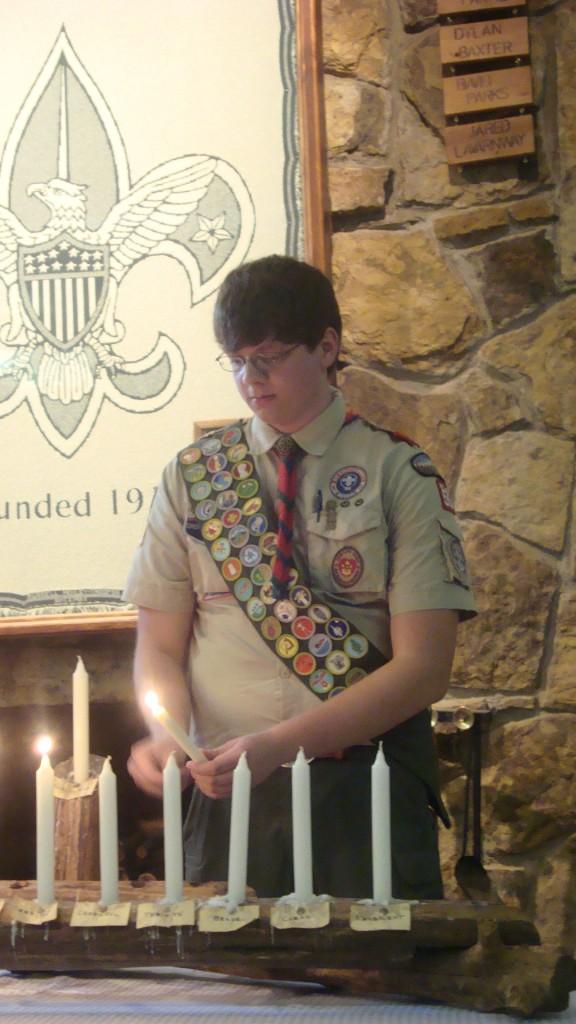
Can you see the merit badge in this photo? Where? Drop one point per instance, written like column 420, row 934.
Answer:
column 231, row 436
column 319, row 612
column 200, row 490
column 287, row 646
column 444, row 493
column 250, row 555
column 222, row 481
column 212, row 529
column 227, row 499
column 239, row 536
column 257, row 524
column 347, row 482
column 285, row 611
column 247, row 488
column 243, row 589
column 231, row 569
column 338, row 663
column 271, row 628
column 321, row 681
column 261, row 575
column 319, row 645
column 303, row 627
column 242, row 470
column 252, row 506
column 267, row 593
column 423, row 465
column 256, row 610
column 301, row 596
column 237, row 452
column 268, row 544
column 189, row 456
column 356, row 646
column 338, row 629
column 336, row 691
column 231, row 517
column 216, row 462
column 210, row 445
column 292, row 577
column 354, row 676
column 454, row 558
column 194, row 473
column 206, row 509
column 220, row 549
column 347, row 567
column 304, row 664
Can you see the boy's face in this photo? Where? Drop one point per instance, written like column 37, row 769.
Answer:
column 290, row 393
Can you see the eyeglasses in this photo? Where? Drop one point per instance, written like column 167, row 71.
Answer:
column 263, row 365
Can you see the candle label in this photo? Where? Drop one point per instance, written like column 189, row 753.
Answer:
column 300, row 915
column 375, row 917
column 30, row 911
column 94, row 915
column 223, row 919
column 67, row 789
column 166, row 915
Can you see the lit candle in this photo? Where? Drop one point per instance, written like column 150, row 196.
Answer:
column 81, row 735
column 302, row 829
column 381, row 844
column 176, row 731
column 173, row 855
column 108, row 811
column 239, row 821
column 44, row 826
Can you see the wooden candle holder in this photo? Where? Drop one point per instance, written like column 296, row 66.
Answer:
column 481, row 956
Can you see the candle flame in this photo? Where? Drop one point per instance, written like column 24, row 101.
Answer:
column 44, row 745
column 152, row 701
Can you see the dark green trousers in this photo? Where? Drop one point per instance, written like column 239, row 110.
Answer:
column 341, row 833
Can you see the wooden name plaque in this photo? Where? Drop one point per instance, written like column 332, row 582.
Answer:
column 484, row 40
column 490, row 140
column 488, row 90
column 471, row 6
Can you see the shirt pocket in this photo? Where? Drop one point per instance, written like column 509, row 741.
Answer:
column 352, row 557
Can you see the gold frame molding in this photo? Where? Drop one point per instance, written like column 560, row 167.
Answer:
column 316, row 235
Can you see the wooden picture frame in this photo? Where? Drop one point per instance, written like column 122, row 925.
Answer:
column 314, row 246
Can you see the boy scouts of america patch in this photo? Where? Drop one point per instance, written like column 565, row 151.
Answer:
column 454, row 558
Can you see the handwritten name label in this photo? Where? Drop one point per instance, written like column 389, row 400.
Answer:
column 490, row 140
column 300, row 915
column 376, row 917
column 166, row 915
column 212, row 918
column 469, row 6
column 30, row 911
column 93, row 915
column 484, row 40
column 511, row 87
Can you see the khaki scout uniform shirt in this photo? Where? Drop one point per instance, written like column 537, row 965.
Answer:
column 382, row 542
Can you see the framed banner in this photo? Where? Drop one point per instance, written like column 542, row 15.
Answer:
column 147, row 149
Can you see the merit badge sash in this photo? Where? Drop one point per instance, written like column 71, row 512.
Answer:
column 227, row 513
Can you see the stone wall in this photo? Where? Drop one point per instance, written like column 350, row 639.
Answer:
column 458, row 291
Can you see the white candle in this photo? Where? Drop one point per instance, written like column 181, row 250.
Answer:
column 108, row 810
column 45, row 828
column 302, row 829
column 80, row 712
column 173, row 853
column 239, row 821
column 176, row 731
column 381, row 841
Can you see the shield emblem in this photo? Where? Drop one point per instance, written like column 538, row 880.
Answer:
column 63, row 285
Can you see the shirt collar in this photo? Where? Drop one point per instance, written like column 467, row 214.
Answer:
column 315, row 438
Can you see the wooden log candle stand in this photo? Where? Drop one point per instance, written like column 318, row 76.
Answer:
column 480, row 956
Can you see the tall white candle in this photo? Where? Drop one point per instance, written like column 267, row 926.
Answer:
column 80, row 722
column 381, row 837
column 45, row 830
column 108, row 810
column 239, row 822
column 176, row 731
column 302, row 829
column 173, row 852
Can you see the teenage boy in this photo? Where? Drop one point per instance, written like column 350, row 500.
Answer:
column 295, row 595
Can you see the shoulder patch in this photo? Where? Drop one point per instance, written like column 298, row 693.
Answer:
column 423, row 465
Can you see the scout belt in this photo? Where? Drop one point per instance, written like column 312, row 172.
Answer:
column 227, row 513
